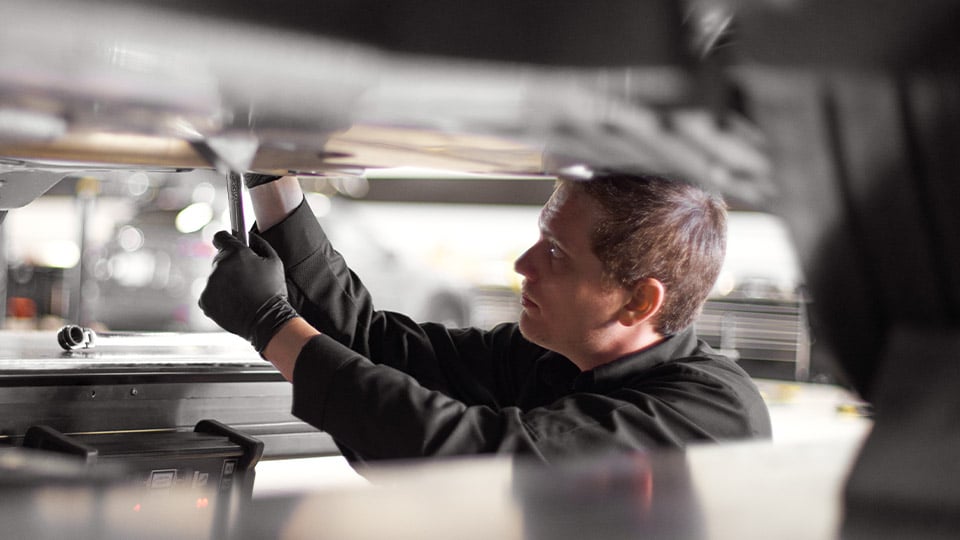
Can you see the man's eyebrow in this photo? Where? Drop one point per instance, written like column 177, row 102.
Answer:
column 542, row 224
column 547, row 233
column 554, row 239
column 542, row 216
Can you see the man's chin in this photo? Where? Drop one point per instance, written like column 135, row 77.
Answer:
column 524, row 325
column 528, row 330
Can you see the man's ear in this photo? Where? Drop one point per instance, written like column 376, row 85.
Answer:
column 644, row 303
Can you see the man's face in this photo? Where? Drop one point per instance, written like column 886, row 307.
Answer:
column 566, row 308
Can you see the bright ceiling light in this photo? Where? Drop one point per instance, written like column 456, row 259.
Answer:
column 194, row 217
column 59, row 254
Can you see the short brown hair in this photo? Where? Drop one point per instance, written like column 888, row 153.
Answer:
column 661, row 228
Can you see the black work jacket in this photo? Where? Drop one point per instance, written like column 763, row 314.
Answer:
column 385, row 387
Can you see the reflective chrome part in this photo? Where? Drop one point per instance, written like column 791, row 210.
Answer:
column 231, row 157
column 238, row 226
column 20, row 187
column 319, row 105
column 76, row 337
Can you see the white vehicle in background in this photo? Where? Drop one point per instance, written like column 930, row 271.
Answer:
column 150, row 274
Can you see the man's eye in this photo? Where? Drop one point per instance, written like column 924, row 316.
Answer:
column 554, row 251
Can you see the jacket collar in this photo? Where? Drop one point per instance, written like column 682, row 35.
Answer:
column 615, row 372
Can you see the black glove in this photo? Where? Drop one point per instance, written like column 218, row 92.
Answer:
column 252, row 180
column 246, row 292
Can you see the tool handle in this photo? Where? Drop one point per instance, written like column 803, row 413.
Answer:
column 235, row 200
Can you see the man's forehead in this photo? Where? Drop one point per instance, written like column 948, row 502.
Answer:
column 553, row 204
column 565, row 206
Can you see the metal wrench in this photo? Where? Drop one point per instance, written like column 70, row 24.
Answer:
column 234, row 186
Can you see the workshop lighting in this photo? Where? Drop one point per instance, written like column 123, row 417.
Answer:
column 58, row 254
column 130, row 238
column 194, row 217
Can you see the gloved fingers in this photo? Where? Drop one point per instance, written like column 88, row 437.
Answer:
column 205, row 301
column 223, row 240
column 226, row 245
column 262, row 248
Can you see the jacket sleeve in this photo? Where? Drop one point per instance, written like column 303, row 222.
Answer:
column 377, row 412
column 333, row 299
column 320, row 285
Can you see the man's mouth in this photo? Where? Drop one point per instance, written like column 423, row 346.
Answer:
column 526, row 302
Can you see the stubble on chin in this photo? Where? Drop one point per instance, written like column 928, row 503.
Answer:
column 528, row 332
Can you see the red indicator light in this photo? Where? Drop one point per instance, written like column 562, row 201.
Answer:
column 136, row 507
column 202, row 502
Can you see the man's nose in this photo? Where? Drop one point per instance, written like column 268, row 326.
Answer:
column 523, row 265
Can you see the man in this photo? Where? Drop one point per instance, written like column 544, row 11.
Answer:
column 603, row 358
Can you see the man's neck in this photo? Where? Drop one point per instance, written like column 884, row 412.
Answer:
column 631, row 344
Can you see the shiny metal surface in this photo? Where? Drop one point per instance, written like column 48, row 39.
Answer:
column 238, row 225
column 743, row 491
column 139, row 84
column 740, row 491
column 148, row 381
column 40, row 351
column 46, row 496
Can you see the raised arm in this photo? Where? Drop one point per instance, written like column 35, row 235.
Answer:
column 273, row 198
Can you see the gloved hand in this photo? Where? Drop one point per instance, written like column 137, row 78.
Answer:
column 246, row 292
column 252, row 180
